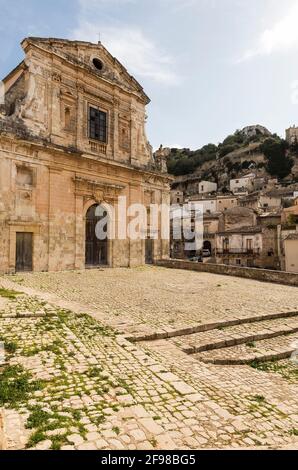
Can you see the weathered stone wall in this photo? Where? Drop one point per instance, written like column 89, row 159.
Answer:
column 278, row 277
column 54, row 205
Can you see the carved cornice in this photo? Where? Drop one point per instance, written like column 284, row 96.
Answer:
column 98, row 190
column 158, row 179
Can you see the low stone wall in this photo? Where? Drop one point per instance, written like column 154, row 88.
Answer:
column 266, row 275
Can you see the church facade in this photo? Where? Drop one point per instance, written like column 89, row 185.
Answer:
column 72, row 138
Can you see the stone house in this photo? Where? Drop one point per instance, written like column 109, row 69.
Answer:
column 210, row 224
column 269, row 218
column 188, row 184
column 292, row 135
column 212, row 205
column 250, row 201
column 206, row 187
column 208, row 203
column 224, row 203
column 290, row 213
column 72, row 138
column 243, row 185
column 249, row 247
column 177, row 197
column 271, row 200
column 291, row 252
column 241, row 241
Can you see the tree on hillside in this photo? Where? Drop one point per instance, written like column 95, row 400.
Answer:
column 226, row 149
column 186, row 161
column 182, row 166
column 278, row 163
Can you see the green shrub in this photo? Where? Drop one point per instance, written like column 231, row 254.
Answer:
column 15, row 385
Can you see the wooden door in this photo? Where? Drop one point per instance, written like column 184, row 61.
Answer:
column 149, row 251
column 24, row 251
column 96, row 250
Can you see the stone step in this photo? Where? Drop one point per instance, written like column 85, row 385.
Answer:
column 170, row 332
column 234, row 335
column 281, row 347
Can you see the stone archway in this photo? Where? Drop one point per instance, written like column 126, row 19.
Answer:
column 96, row 250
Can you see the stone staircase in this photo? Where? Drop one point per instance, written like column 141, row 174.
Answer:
column 259, row 340
column 236, row 341
column 277, row 348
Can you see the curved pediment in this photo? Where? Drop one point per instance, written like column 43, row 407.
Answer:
column 94, row 58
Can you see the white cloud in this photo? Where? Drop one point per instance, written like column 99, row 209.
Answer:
column 282, row 36
column 139, row 54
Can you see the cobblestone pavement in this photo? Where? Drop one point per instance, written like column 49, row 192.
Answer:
column 84, row 386
column 151, row 298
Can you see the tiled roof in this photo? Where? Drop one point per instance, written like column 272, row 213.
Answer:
column 249, row 229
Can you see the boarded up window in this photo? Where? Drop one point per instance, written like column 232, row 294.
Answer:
column 24, row 176
column 67, row 118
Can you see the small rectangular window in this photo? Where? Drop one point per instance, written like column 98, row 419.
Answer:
column 97, row 125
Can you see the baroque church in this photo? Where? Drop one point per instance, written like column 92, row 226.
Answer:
column 72, row 137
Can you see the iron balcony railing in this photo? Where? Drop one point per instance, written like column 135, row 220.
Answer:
column 238, row 251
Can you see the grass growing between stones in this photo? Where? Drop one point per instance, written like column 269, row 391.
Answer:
column 54, row 347
column 10, row 347
column 9, row 294
column 287, row 369
column 46, row 422
column 15, row 386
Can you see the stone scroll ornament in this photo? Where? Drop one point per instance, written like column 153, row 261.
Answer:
column 294, row 356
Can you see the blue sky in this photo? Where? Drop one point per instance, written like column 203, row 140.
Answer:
column 209, row 66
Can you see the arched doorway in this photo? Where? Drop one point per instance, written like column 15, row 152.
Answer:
column 96, row 249
column 207, row 246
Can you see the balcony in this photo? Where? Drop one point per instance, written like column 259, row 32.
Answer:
column 97, row 147
column 238, row 251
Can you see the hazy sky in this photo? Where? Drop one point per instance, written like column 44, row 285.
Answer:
column 209, row 66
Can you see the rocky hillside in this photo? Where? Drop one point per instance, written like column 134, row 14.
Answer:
column 253, row 148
